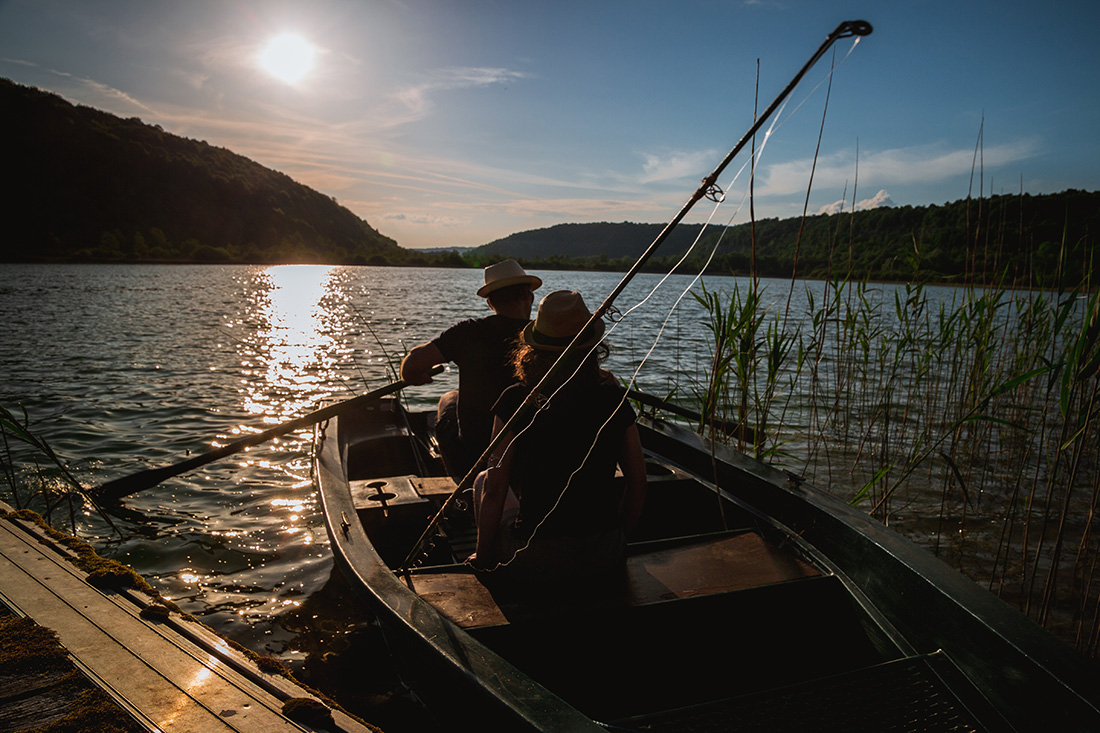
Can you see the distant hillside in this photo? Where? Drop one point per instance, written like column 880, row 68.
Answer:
column 589, row 240
column 85, row 184
column 1015, row 237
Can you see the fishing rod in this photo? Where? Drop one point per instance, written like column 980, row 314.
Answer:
column 709, row 186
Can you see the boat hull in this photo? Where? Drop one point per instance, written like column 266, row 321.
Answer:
column 732, row 600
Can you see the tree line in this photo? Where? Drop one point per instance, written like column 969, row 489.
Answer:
column 1005, row 239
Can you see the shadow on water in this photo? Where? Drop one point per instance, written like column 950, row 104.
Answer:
column 341, row 652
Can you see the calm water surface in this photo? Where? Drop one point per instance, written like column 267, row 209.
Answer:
column 127, row 367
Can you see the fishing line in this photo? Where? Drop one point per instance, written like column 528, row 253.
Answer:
column 622, row 316
column 806, row 202
column 718, row 200
column 844, row 30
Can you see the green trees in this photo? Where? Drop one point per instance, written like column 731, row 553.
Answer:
column 1009, row 240
column 93, row 186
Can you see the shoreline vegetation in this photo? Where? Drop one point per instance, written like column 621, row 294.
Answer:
column 971, row 426
column 966, row 423
column 968, row 242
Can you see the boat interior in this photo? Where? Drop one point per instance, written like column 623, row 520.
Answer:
column 716, row 613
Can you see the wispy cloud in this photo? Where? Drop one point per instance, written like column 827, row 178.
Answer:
column 925, row 164
column 413, row 102
column 110, row 95
column 19, row 62
column 880, row 199
column 90, row 92
column 426, row 219
column 675, row 165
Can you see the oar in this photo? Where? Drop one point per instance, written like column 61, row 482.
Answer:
column 117, row 488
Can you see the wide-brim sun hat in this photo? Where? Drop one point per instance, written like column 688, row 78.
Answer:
column 561, row 316
column 505, row 274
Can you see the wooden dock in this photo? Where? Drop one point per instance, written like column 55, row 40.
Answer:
column 170, row 674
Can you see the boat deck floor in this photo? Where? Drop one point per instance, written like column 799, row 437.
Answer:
column 655, row 573
column 900, row 696
column 171, row 675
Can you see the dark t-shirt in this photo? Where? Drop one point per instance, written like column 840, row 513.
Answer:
column 482, row 348
column 555, row 445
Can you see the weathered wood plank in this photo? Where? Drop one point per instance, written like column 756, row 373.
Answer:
column 174, row 683
column 33, row 700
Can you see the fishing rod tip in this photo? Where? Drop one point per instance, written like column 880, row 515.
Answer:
column 855, row 28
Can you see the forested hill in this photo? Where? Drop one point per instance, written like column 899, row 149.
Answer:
column 1018, row 237
column 85, row 184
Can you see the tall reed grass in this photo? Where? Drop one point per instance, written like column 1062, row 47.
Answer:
column 50, row 489
column 967, row 418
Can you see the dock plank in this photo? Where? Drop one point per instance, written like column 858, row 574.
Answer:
column 165, row 680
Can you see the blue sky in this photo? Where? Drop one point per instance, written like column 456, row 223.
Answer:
column 461, row 121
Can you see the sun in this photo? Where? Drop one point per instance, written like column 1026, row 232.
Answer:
column 287, row 57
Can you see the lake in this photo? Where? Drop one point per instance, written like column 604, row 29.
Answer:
column 126, row 367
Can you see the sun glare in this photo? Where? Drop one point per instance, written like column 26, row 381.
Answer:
column 288, row 57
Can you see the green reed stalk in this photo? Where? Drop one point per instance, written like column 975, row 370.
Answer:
column 987, row 402
column 66, row 489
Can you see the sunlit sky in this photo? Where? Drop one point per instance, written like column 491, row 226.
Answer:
column 457, row 122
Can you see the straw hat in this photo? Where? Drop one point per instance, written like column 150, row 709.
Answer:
column 506, row 273
column 562, row 314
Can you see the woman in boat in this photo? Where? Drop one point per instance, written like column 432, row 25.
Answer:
column 549, row 506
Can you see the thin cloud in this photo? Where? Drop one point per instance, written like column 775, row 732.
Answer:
column 675, row 165
column 20, row 62
column 416, row 101
column 425, row 219
column 880, row 199
column 96, row 94
column 926, row 164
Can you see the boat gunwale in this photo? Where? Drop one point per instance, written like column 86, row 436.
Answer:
column 482, row 668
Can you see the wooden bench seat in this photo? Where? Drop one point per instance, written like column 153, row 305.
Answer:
column 700, row 566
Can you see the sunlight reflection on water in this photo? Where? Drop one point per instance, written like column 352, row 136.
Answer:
column 295, row 351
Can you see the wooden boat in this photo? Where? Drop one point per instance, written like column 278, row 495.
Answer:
column 749, row 601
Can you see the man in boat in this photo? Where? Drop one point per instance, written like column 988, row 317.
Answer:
column 482, row 348
column 549, row 504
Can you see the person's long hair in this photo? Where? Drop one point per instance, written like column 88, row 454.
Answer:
column 531, row 365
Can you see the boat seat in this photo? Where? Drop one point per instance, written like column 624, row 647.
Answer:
column 659, row 571
column 391, row 491
column 434, row 486
column 385, row 494
column 654, row 572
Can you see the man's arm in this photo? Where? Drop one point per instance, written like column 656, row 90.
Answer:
column 418, row 362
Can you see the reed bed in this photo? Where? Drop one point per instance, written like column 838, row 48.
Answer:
column 966, row 417
column 35, row 477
